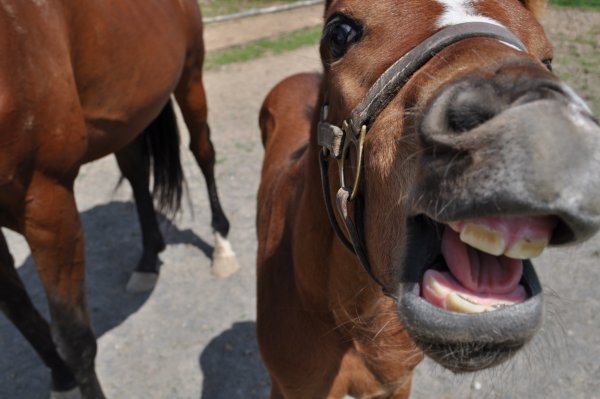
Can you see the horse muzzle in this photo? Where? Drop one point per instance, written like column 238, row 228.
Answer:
column 534, row 151
column 500, row 169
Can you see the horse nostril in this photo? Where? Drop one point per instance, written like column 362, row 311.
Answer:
column 470, row 109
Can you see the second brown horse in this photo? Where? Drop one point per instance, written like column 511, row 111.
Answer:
column 78, row 81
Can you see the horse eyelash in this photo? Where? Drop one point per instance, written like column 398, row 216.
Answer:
column 337, row 17
column 332, row 22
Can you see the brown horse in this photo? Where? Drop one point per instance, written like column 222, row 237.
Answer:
column 81, row 80
column 458, row 156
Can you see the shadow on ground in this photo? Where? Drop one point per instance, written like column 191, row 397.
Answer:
column 232, row 367
column 112, row 249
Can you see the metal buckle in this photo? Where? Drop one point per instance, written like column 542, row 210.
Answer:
column 331, row 138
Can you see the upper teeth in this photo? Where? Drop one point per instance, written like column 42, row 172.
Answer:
column 492, row 241
column 482, row 238
column 526, row 249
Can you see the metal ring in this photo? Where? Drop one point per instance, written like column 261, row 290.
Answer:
column 359, row 148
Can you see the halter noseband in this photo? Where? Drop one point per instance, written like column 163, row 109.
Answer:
column 335, row 141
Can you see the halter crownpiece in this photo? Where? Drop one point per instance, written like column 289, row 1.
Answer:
column 335, row 140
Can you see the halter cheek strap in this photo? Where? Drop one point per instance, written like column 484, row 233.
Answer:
column 335, row 140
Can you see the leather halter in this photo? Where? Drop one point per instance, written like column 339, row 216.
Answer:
column 335, row 140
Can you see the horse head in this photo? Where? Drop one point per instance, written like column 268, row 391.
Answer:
column 460, row 157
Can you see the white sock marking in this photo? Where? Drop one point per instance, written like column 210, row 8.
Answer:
column 222, row 246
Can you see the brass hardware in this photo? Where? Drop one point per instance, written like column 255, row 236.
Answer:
column 359, row 148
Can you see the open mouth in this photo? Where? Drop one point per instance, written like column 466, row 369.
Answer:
column 470, row 297
column 480, row 268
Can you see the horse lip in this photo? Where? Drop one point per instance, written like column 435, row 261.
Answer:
column 496, row 169
column 512, row 326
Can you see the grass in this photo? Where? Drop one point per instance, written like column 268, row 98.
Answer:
column 212, row 8
column 250, row 51
column 578, row 55
column 577, row 3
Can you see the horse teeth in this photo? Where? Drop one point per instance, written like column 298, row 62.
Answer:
column 455, row 302
column 460, row 304
column 436, row 287
column 482, row 238
column 526, row 249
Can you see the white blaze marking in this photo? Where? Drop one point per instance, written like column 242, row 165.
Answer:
column 460, row 11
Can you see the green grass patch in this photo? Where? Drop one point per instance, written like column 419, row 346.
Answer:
column 577, row 3
column 277, row 45
column 212, row 8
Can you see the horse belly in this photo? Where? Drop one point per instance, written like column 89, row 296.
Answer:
column 126, row 67
column 109, row 130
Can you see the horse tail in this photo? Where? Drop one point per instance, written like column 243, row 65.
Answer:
column 161, row 151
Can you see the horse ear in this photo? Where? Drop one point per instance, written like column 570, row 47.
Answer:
column 537, row 7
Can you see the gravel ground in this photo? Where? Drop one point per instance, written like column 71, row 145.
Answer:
column 193, row 336
column 576, row 38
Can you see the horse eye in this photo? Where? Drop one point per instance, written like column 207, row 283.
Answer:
column 341, row 37
column 548, row 63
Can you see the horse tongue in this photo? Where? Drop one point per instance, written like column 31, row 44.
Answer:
column 477, row 271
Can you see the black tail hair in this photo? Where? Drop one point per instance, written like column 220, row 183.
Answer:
column 161, row 153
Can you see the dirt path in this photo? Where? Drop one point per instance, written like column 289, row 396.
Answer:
column 233, row 33
column 193, row 336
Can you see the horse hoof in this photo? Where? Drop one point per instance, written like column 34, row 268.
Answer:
column 224, row 266
column 142, row 282
column 72, row 394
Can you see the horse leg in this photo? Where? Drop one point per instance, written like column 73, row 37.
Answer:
column 136, row 170
column 19, row 309
column 192, row 100
column 275, row 391
column 53, row 231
